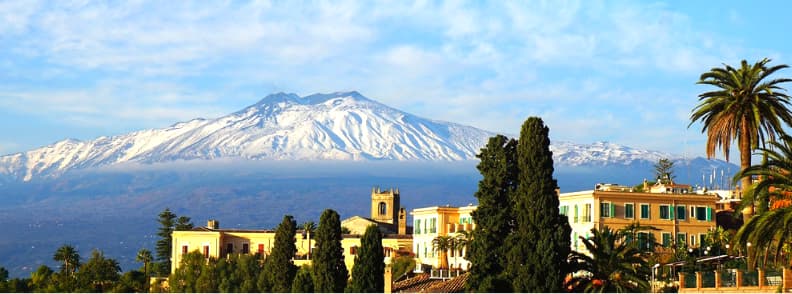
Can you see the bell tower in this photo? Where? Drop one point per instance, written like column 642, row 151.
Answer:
column 385, row 205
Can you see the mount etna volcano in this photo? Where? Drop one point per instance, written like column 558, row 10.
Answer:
column 285, row 154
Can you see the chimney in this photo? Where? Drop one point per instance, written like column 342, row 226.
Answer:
column 213, row 224
column 388, row 280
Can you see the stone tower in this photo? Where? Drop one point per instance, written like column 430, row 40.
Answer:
column 385, row 205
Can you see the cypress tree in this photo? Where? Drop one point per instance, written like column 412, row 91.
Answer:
column 279, row 270
column 539, row 245
column 369, row 269
column 167, row 221
column 329, row 271
column 303, row 283
column 493, row 219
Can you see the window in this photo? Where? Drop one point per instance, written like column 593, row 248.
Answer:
column 433, row 225
column 607, row 209
column 629, row 210
column 692, row 240
column 644, row 240
column 681, row 238
column 702, row 239
column 206, row 251
column 230, row 248
column 245, row 248
column 418, row 250
column 417, row 227
column 645, row 211
column 353, row 250
column 184, row 249
column 563, row 210
column 576, row 213
column 703, row 213
column 587, row 213
column 665, row 212
column 575, row 237
column 668, row 239
column 261, row 248
column 383, row 208
column 681, row 212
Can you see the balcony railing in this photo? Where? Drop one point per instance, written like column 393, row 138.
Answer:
column 444, row 274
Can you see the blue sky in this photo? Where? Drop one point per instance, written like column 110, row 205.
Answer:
column 615, row 71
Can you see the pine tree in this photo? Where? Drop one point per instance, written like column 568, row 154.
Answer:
column 539, row 245
column 493, row 219
column 329, row 271
column 183, row 223
column 664, row 170
column 279, row 270
column 369, row 269
column 167, row 221
column 303, row 282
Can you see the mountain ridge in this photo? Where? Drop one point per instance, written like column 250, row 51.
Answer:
column 285, row 126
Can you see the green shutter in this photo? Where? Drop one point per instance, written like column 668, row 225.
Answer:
column 671, row 212
column 612, row 210
column 709, row 214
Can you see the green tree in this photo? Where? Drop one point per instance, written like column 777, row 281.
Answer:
column 744, row 106
column 279, row 271
column 132, row 282
column 41, row 280
column 308, row 228
column 369, row 269
column 441, row 245
column 493, row 218
column 99, row 274
column 144, row 256
column 611, row 266
column 329, row 271
column 303, row 282
column 69, row 258
column 183, row 223
column 664, row 170
column 539, row 245
column 184, row 279
column 401, row 265
column 772, row 228
column 167, row 220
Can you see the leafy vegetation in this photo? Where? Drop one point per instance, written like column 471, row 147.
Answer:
column 487, row 256
column 745, row 106
column 612, row 265
column 329, row 271
column 369, row 269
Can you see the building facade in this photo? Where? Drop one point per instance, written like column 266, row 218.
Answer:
column 681, row 218
column 215, row 242
column 431, row 222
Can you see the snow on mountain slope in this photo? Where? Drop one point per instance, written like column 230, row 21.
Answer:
column 337, row 126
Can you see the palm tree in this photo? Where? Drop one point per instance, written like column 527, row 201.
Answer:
column 773, row 227
column 745, row 107
column 613, row 265
column 144, row 256
column 309, row 227
column 441, row 245
column 461, row 241
column 69, row 257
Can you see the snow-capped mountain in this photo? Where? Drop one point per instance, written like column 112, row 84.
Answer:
column 336, row 126
column 602, row 153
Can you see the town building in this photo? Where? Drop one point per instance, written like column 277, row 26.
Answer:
column 215, row 242
column 432, row 222
column 681, row 216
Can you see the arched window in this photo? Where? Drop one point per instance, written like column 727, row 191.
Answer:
column 383, row 208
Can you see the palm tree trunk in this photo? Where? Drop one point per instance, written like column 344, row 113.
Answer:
column 745, row 162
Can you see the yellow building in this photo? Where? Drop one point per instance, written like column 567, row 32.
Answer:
column 216, row 242
column 431, row 222
column 682, row 217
